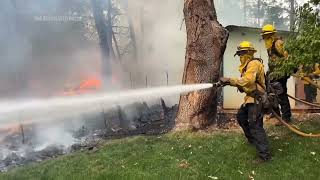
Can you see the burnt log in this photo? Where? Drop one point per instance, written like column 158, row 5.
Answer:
column 113, row 121
column 164, row 107
column 206, row 43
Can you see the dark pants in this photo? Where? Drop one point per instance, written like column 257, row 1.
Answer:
column 311, row 93
column 252, row 125
column 283, row 101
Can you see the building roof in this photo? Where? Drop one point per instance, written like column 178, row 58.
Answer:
column 232, row 28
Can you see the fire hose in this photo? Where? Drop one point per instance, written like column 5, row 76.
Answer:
column 304, row 102
column 310, row 81
column 290, row 127
column 293, row 129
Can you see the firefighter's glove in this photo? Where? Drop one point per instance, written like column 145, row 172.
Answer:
column 224, row 81
column 314, row 76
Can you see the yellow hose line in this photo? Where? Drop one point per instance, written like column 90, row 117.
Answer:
column 291, row 128
column 304, row 102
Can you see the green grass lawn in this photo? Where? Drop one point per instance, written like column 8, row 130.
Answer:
column 186, row 155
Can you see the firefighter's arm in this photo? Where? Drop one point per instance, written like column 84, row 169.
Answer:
column 316, row 73
column 317, row 69
column 279, row 45
column 306, row 79
column 248, row 78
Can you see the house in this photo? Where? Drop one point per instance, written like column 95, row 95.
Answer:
column 232, row 98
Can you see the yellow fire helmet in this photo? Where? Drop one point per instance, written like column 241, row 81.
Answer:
column 245, row 46
column 268, row 29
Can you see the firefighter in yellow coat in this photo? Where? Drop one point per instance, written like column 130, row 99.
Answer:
column 275, row 49
column 250, row 115
column 310, row 90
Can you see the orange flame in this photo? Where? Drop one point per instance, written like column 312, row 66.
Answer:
column 87, row 86
column 91, row 84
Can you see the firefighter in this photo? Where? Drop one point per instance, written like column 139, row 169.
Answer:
column 276, row 52
column 250, row 115
column 310, row 90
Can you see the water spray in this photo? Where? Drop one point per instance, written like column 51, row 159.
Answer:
column 63, row 106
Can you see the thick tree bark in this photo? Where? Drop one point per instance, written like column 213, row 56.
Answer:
column 206, row 43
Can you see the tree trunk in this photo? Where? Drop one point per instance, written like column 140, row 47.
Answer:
column 110, row 30
column 259, row 13
column 133, row 40
column 245, row 12
column 292, row 15
column 206, row 43
column 102, row 30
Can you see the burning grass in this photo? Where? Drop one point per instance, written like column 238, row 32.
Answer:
column 185, row 155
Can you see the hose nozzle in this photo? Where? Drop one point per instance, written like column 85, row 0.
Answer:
column 217, row 84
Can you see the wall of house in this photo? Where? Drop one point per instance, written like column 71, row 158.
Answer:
column 232, row 98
